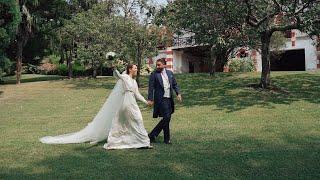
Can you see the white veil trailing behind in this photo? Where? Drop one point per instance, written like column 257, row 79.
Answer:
column 98, row 129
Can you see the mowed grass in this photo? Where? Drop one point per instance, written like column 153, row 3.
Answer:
column 222, row 130
column 31, row 78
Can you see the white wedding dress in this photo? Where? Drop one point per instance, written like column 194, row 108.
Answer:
column 119, row 120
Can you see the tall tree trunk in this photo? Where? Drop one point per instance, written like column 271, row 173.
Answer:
column 19, row 61
column 218, row 59
column 94, row 69
column 221, row 60
column 69, row 64
column 61, row 51
column 23, row 34
column 213, row 61
column 265, row 75
column 94, row 74
column 139, row 65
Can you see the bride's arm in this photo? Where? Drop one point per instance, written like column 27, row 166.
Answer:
column 138, row 95
column 117, row 74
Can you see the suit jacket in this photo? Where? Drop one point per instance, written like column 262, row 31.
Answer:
column 156, row 90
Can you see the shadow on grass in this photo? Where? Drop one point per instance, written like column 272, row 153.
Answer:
column 91, row 83
column 231, row 92
column 106, row 82
column 226, row 91
column 240, row 158
column 34, row 79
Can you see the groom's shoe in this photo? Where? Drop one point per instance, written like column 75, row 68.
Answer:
column 168, row 142
column 152, row 138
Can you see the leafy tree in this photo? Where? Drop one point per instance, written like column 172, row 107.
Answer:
column 25, row 30
column 225, row 25
column 211, row 23
column 141, row 42
column 93, row 33
column 269, row 16
column 118, row 29
column 142, row 36
column 9, row 21
column 39, row 21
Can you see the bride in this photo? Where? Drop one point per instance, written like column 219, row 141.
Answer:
column 119, row 120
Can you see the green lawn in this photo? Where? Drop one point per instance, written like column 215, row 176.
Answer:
column 223, row 130
column 31, row 78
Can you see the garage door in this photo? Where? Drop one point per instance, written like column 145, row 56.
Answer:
column 291, row 60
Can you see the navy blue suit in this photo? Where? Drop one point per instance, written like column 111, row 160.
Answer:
column 163, row 107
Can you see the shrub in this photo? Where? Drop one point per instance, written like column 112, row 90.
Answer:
column 78, row 70
column 31, row 69
column 146, row 69
column 48, row 68
column 241, row 65
column 105, row 71
column 54, row 59
column 62, row 70
column 5, row 65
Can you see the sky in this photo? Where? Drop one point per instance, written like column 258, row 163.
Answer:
column 161, row 1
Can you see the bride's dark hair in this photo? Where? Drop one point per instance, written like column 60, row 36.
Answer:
column 130, row 66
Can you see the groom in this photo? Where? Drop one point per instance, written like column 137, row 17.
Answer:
column 160, row 94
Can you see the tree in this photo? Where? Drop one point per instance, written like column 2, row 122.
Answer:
column 141, row 42
column 212, row 23
column 142, row 37
column 269, row 16
column 9, row 21
column 120, row 26
column 39, row 20
column 65, row 22
column 94, row 32
column 49, row 16
column 25, row 30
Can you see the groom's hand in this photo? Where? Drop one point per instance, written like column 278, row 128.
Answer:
column 179, row 97
column 150, row 103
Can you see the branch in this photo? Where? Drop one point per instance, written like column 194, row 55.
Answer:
column 250, row 15
column 285, row 28
column 295, row 5
column 305, row 6
column 277, row 4
column 296, row 25
column 259, row 22
column 316, row 21
column 267, row 17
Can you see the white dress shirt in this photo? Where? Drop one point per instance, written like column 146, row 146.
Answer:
column 166, row 84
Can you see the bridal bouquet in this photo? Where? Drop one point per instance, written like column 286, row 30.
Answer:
column 120, row 65
column 115, row 62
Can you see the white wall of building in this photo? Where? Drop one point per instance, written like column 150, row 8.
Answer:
column 259, row 62
column 180, row 63
column 161, row 54
column 310, row 51
column 303, row 41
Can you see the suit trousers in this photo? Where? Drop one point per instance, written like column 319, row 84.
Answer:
column 164, row 124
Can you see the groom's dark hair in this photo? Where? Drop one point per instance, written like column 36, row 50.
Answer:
column 162, row 60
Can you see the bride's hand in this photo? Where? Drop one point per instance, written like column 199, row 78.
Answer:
column 150, row 103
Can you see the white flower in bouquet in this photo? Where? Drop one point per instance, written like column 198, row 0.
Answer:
column 110, row 55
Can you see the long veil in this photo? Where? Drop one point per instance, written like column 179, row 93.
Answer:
column 98, row 129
